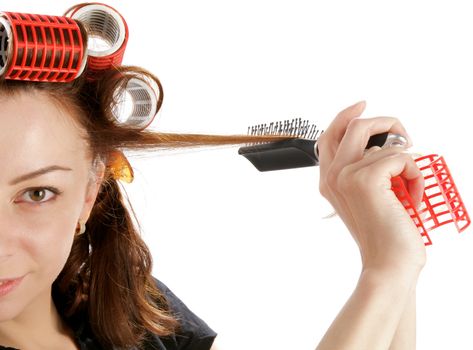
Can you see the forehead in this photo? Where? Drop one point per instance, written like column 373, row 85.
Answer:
column 35, row 131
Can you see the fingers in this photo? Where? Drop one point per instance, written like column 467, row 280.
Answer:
column 328, row 142
column 343, row 144
column 352, row 146
column 376, row 153
column 411, row 173
column 372, row 150
column 382, row 165
column 339, row 124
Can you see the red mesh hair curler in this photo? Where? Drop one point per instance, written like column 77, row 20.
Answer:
column 441, row 201
column 40, row 48
column 107, row 34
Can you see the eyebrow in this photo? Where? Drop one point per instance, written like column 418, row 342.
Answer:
column 37, row 173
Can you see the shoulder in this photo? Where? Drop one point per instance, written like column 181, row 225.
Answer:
column 193, row 333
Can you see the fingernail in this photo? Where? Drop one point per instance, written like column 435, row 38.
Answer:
column 360, row 104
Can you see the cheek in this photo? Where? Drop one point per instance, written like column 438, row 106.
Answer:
column 49, row 244
column 43, row 250
column 48, row 233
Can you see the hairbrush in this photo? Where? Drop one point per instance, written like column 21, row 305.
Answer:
column 301, row 150
column 441, row 202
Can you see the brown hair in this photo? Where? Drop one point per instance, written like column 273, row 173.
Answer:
column 107, row 277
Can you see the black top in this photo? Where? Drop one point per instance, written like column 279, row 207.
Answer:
column 194, row 334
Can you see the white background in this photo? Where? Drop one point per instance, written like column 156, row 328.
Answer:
column 248, row 251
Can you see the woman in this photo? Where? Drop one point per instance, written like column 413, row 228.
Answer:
column 74, row 272
column 82, row 271
column 85, row 272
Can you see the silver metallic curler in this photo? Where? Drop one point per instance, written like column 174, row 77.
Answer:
column 138, row 102
column 107, row 34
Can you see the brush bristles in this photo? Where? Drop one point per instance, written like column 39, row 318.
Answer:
column 295, row 127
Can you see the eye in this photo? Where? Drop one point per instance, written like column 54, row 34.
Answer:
column 40, row 195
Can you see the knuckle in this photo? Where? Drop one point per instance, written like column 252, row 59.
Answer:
column 393, row 120
column 411, row 160
column 404, row 157
column 344, row 181
column 391, row 152
column 408, row 157
column 323, row 189
column 356, row 123
column 396, row 152
column 328, row 184
column 386, row 120
column 400, row 155
column 331, row 179
column 372, row 150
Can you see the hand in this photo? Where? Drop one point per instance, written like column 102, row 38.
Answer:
column 359, row 189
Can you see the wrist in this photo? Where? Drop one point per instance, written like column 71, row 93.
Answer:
column 399, row 278
column 393, row 264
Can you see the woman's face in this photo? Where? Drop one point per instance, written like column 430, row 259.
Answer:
column 37, row 225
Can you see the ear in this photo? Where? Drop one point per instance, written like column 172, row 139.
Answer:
column 92, row 190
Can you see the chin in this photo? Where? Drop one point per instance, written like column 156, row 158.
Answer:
column 13, row 303
column 10, row 309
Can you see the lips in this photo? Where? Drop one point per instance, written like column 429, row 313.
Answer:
column 5, row 281
column 7, row 285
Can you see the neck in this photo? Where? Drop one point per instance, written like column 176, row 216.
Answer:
column 39, row 323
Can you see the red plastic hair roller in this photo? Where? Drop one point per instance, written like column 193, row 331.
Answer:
column 40, row 48
column 107, row 34
column 441, row 202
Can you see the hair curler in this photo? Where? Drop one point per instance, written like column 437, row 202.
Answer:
column 52, row 48
column 137, row 102
column 441, row 202
column 107, row 34
column 40, row 47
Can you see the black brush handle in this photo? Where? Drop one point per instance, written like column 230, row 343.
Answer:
column 377, row 140
column 292, row 153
